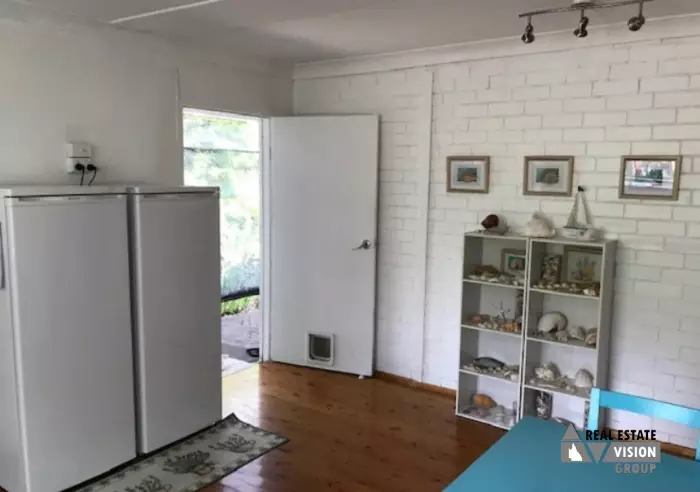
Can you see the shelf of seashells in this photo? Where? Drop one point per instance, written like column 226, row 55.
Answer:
column 493, row 367
column 486, row 409
column 591, row 289
column 554, row 327
column 548, row 377
column 490, row 274
column 559, row 292
column 498, row 323
column 543, row 405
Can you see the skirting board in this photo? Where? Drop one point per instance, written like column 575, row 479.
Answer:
column 412, row 383
column 666, row 447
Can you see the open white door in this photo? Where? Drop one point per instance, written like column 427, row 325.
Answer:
column 322, row 230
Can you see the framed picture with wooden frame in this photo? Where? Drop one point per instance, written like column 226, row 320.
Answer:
column 513, row 262
column 650, row 177
column 468, row 174
column 582, row 265
column 549, row 175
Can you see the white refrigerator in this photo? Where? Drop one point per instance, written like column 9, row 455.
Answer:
column 175, row 269
column 66, row 365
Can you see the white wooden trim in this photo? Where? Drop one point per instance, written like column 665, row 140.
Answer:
column 661, row 28
column 266, row 146
column 423, row 187
column 180, row 125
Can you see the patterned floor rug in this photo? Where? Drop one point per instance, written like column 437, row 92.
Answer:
column 194, row 463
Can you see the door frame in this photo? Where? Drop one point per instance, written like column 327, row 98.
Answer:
column 265, row 246
column 264, row 208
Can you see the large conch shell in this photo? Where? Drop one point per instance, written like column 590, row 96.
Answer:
column 584, row 379
column 483, row 401
column 591, row 337
column 547, row 372
column 539, row 226
column 554, row 321
column 577, row 332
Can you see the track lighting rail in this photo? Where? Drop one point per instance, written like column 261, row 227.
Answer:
column 583, row 6
column 634, row 24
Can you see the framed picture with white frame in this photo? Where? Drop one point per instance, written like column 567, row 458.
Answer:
column 548, row 175
column 468, row 174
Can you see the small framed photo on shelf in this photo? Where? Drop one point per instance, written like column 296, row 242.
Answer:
column 650, row 177
column 551, row 268
column 582, row 265
column 548, row 175
column 468, row 174
column 513, row 262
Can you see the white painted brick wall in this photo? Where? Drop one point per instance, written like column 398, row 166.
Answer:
column 594, row 103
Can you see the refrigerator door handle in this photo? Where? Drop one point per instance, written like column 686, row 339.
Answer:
column 170, row 196
column 53, row 199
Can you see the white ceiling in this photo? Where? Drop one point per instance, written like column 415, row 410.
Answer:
column 295, row 31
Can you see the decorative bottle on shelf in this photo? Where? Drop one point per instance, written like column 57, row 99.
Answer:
column 543, row 405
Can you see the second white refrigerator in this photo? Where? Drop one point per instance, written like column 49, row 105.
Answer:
column 176, row 295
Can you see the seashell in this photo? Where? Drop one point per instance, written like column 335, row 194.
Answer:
column 591, row 337
column 511, row 327
column 539, row 226
column 561, row 336
column 577, row 333
column 488, row 363
column 560, row 420
column 483, row 401
column 490, row 221
column 547, row 372
column 584, row 379
column 551, row 321
column 479, row 412
column 499, row 413
column 487, row 270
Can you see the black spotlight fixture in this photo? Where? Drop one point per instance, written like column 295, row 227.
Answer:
column 635, row 23
column 581, row 31
column 528, row 37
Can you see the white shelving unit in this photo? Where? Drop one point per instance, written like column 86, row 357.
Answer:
column 488, row 298
column 527, row 348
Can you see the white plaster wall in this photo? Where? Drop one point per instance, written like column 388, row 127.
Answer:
column 597, row 99
column 64, row 80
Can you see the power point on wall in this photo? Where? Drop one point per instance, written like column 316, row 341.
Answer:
column 78, row 157
column 76, row 164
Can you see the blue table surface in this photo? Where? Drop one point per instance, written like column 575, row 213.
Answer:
column 528, row 459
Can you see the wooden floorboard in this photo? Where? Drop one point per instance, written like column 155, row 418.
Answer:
column 348, row 434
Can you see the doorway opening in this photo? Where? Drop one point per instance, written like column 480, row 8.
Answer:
column 225, row 150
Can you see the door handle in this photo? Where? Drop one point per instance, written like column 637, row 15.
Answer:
column 366, row 244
